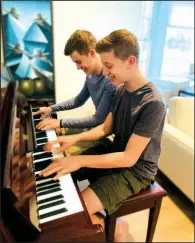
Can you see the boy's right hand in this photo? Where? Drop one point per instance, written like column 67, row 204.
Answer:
column 45, row 111
column 65, row 142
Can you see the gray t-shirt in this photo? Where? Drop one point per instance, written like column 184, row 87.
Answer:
column 101, row 91
column 141, row 112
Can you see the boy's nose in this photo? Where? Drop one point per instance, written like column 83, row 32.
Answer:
column 78, row 66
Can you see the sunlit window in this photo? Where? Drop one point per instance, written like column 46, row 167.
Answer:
column 187, row 13
column 144, row 41
column 179, row 41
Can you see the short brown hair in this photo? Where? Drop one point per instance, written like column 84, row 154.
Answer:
column 81, row 41
column 123, row 42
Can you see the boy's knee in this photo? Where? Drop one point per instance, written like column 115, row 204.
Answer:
column 92, row 201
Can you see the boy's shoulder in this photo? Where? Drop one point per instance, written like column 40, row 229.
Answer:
column 148, row 93
column 151, row 93
column 149, row 98
column 141, row 96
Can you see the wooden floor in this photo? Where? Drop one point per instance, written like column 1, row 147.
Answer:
column 176, row 219
column 172, row 226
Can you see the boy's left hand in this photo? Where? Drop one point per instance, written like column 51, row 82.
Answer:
column 48, row 124
column 61, row 166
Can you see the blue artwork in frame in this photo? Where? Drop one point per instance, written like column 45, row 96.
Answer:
column 28, row 46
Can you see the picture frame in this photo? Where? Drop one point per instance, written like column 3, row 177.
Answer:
column 27, row 28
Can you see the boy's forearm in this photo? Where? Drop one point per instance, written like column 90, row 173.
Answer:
column 111, row 160
column 93, row 134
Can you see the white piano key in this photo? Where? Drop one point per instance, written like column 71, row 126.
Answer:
column 37, row 153
column 51, row 135
column 44, row 180
column 71, row 196
column 40, row 160
column 49, row 195
column 58, row 156
column 46, row 189
column 37, row 172
column 48, row 210
column 37, row 139
column 41, row 143
column 41, row 186
column 42, row 221
column 55, row 200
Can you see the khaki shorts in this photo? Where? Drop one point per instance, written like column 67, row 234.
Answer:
column 112, row 186
column 80, row 147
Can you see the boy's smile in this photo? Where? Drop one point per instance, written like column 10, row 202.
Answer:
column 83, row 62
column 114, row 68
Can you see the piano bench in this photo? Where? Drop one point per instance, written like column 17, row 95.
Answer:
column 150, row 198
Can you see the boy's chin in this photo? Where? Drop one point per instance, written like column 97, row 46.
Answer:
column 115, row 82
column 87, row 72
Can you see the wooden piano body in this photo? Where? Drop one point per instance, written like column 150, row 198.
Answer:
column 18, row 186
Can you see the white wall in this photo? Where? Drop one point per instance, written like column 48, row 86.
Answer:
column 99, row 17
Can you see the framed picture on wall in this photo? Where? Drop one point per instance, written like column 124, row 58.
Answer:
column 28, row 47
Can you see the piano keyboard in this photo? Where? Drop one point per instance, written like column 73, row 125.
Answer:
column 55, row 199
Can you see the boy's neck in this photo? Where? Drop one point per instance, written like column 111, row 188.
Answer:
column 137, row 81
column 98, row 67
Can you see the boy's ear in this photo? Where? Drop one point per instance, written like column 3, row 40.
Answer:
column 132, row 60
column 92, row 52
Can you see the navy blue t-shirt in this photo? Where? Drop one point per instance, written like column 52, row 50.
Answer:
column 141, row 112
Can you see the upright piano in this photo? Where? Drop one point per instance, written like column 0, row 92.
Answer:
column 33, row 208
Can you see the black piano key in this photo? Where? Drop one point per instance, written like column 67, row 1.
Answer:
column 36, row 122
column 42, row 140
column 39, row 148
column 42, row 156
column 40, row 131
column 47, row 187
column 46, row 215
column 46, row 200
column 37, row 130
column 41, row 134
column 57, row 189
column 46, row 183
column 42, row 165
column 40, row 178
column 37, row 116
column 49, row 205
column 35, row 109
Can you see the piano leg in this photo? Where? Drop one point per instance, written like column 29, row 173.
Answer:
column 5, row 235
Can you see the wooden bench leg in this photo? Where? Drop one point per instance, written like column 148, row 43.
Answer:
column 153, row 217
column 110, row 223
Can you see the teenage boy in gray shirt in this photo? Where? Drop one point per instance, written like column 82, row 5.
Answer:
column 136, row 119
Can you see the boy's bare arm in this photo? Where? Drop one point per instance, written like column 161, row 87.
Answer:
column 127, row 158
column 94, row 134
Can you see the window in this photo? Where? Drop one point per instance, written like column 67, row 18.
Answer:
column 171, row 47
column 144, row 41
column 179, row 42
